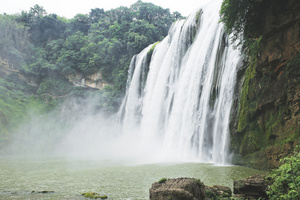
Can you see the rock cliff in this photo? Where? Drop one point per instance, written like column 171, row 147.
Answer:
column 94, row 80
column 268, row 111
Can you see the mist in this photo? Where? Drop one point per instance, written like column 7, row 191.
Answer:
column 77, row 129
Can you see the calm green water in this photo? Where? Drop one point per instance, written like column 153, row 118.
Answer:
column 70, row 178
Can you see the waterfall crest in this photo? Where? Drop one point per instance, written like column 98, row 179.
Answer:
column 179, row 96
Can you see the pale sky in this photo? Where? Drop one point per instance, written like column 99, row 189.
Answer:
column 69, row 8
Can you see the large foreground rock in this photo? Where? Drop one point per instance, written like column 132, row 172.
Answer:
column 253, row 187
column 178, row 189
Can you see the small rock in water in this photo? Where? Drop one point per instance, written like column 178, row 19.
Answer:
column 94, row 195
column 42, row 192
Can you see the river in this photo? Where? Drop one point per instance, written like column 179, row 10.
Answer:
column 68, row 178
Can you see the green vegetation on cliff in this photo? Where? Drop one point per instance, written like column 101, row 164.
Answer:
column 242, row 18
column 15, row 104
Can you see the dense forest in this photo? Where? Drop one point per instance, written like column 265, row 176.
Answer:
column 40, row 53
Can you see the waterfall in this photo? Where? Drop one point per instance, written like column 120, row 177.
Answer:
column 179, row 96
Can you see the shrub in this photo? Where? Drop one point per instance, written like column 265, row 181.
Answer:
column 285, row 181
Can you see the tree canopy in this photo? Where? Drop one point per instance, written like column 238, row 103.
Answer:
column 101, row 40
column 242, row 18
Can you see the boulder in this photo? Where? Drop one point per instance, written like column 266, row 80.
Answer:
column 253, row 187
column 217, row 192
column 178, row 189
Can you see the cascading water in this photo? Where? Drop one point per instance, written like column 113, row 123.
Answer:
column 182, row 105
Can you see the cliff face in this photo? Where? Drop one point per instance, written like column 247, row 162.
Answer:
column 93, row 80
column 268, row 117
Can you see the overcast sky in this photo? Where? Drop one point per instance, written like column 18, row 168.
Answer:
column 69, row 8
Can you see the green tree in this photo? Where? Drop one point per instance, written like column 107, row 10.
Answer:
column 73, row 56
column 80, row 23
column 136, row 42
column 243, row 17
column 37, row 11
column 53, row 49
column 96, row 15
column 25, row 18
column 156, row 15
column 51, row 28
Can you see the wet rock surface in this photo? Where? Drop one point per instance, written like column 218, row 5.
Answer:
column 178, row 189
column 253, row 187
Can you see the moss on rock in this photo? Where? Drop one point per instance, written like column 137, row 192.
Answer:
column 94, row 195
column 267, row 115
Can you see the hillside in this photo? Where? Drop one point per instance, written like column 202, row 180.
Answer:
column 46, row 59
